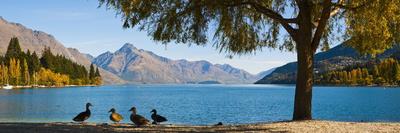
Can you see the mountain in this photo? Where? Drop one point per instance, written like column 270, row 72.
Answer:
column 262, row 74
column 337, row 58
column 141, row 66
column 37, row 40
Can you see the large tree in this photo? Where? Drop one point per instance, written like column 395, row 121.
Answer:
column 246, row 26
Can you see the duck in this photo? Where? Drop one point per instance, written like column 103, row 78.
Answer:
column 157, row 118
column 138, row 120
column 81, row 117
column 219, row 124
column 115, row 117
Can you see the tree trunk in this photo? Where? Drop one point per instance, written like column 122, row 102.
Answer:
column 304, row 82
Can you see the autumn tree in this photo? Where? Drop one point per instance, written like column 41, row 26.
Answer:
column 245, row 26
column 397, row 73
column 14, row 71
column 25, row 72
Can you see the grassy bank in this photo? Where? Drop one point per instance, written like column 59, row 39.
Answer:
column 302, row 126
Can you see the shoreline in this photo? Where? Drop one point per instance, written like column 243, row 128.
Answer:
column 284, row 126
column 43, row 86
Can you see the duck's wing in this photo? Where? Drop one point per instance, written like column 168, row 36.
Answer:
column 142, row 120
column 116, row 117
column 161, row 118
column 81, row 117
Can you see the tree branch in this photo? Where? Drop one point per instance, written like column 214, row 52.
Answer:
column 277, row 17
column 336, row 9
column 285, row 22
column 323, row 20
column 349, row 7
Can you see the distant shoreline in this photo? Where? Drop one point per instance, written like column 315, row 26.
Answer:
column 331, row 85
column 43, row 86
column 291, row 126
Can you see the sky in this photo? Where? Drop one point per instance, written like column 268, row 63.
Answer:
column 81, row 24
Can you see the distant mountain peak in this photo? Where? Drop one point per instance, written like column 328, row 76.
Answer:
column 128, row 46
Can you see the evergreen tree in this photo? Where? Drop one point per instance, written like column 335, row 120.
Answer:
column 47, row 58
column 91, row 72
column 34, row 63
column 97, row 74
column 13, row 49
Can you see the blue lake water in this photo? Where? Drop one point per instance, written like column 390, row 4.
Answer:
column 199, row 104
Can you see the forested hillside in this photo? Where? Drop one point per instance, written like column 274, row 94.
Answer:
column 385, row 72
column 27, row 69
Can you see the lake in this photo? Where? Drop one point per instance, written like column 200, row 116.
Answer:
column 199, row 104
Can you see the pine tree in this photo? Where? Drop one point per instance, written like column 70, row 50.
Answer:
column 14, row 49
column 91, row 72
column 97, row 74
column 34, row 63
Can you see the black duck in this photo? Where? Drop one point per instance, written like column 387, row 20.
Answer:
column 83, row 115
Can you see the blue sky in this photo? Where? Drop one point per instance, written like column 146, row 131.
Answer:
column 80, row 24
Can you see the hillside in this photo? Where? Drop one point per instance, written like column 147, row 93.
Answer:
column 336, row 58
column 37, row 40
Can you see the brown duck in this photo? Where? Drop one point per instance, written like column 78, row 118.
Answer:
column 83, row 115
column 138, row 120
column 115, row 117
column 157, row 118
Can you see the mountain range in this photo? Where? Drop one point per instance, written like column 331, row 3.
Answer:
column 140, row 66
column 128, row 64
column 337, row 58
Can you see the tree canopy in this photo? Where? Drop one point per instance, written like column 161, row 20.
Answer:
column 243, row 26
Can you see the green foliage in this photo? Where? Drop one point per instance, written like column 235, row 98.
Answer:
column 14, row 49
column 244, row 26
column 97, row 74
column 91, row 72
column 374, row 26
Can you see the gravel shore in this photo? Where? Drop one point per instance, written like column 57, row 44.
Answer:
column 297, row 126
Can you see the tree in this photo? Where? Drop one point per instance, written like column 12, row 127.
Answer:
column 34, row 63
column 245, row 26
column 26, row 76
column 15, row 71
column 2, row 82
column 13, row 49
column 397, row 74
column 91, row 73
column 97, row 73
